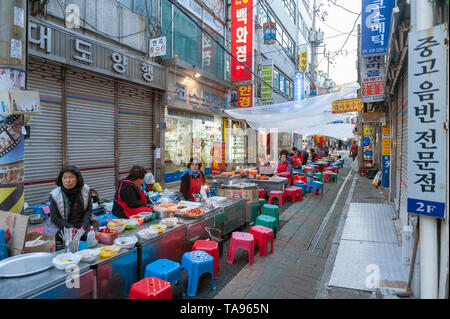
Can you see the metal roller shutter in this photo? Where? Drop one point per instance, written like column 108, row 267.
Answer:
column 398, row 146
column 90, row 129
column 43, row 150
column 404, row 171
column 135, row 128
column 393, row 125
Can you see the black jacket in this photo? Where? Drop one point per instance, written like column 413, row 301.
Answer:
column 130, row 195
column 77, row 217
column 186, row 184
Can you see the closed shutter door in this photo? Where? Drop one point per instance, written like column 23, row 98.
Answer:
column 135, row 128
column 398, row 159
column 43, row 150
column 393, row 125
column 404, row 172
column 90, row 130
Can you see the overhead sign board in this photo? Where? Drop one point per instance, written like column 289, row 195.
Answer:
column 347, row 105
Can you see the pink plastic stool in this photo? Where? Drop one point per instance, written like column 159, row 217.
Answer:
column 326, row 176
column 241, row 240
column 299, row 192
column 276, row 194
column 262, row 236
column 261, row 193
column 290, row 193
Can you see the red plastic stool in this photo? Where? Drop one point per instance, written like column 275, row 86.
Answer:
column 326, row 176
column 290, row 193
column 261, row 193
column 151, row 288
column 210, row 247
column 262, row 236
column 241, row 240
column 299, row 192
column 276, row 194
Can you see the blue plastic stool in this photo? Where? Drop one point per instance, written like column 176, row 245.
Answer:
column 196, row 263
column 3, row 249
column 297, row 170
column 316, row 186
column 302, row 185
column 165, row 269
column 308, row 184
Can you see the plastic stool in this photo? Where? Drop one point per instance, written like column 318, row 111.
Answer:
column 271, row 210
column 278, row 195
column 212, row 248
column 241, row 240
column 262, row 193
column 316, row 186
column 255, row 210
column 297, row 170
column 302, row 186
column 299, row 192
column 326, row 176
column 334, row 177
column 318, row 176
column 165, row 269
column 262, row 235
column 290, row 193
column 196, row 263
column 151, row 288
column 269, row 222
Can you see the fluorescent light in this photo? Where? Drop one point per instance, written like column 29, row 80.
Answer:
column 197, row 75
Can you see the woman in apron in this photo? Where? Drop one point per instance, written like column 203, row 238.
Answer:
column 192, row 180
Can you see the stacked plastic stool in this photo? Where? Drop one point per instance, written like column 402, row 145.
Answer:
column 196, row 263
column 269, row 222
column 278, row 195
column 255, row 210
column 316, row 186
column 262, row 193
column 165, row 269
column 261, row 204
column 241, row 240
column 302, row 186
column 262, row 236
column 326, row 176
column 318, row 176
column 212, row 248
column 299, row 192
column 290, row 193
column 271, row 210
column 151, row 288
column 334, row 177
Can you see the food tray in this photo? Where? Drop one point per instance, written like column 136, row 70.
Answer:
column 27, row 264
column 189, row 205
column 181, row 214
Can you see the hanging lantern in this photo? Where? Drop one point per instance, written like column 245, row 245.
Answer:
column 269, row 33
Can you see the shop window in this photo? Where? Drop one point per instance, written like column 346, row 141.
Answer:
column 187, row 39
column 166, row 27
column 213, row 54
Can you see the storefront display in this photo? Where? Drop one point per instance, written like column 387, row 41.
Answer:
column 236, row 147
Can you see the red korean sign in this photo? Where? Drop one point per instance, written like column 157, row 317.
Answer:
column 245, row 95
column 216, row 157
column 241, row 39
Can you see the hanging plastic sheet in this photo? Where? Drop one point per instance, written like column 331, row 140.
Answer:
column 296, row 116
column 337, row 131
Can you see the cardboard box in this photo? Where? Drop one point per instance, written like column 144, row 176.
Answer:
column 48, row 247
column 249, row 194
column 16, row 225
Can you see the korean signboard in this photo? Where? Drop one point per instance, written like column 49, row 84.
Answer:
column 299, row 86
column 303, row 61
column 369, row 133
column 386, row 155
column 270, row 33
column 157, row 47
column 372, row 78
column 374, row 117
column 347, row 105
column 375, row 24
column 427, row 112
column 245, row 95
column 267, row 76
column 216, row 158
column 241, row 39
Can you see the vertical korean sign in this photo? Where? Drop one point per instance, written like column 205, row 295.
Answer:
column 267, row 76
column 372, row 78
column 299, row 86
column 427, row 113
column 303, row 61
column 216, row 158
column 241, row 39
column 386, row 155
column 375, row 20
column 245, row 95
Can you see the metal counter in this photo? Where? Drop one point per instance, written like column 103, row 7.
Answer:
column 269, row 185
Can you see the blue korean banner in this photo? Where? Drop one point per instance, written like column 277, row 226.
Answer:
column 375, row 24
column 299, row 86
column 386, row 164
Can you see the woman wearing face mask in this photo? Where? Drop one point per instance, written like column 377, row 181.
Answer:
column 192, row 180
column 130, row 198
column 285, row 167
column 70, row 202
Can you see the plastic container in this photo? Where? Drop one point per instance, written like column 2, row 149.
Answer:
column 140, row 219
column 169, row 222
column 106, row 236
column 119, row 225
column 62, row 261
column 89, row 255
column 147, row 233
column 126, row 242
column 38, row 210
column 109, row 251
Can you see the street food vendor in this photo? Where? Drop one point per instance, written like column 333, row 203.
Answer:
column 70, row 203
column 192, row 180
column 284, row 167
column 313, row 155
column 296, row 158
column 130, row 198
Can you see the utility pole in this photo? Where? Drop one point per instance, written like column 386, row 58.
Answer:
column 13, row 70
column 313, row 46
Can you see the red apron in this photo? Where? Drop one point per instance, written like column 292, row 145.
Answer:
column 195, row 187
column 283, row 168
column 128, row 210
column 295, row 160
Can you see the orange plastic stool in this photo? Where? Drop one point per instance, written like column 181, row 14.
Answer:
column 151, row 288
column 210, row 247
column 290, row 193
column 262, row 236
column 278, row 195
column 241, row 240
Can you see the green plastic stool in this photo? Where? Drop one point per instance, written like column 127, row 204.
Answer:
column 267, row 221
column 319, row 177
column 262, row 202
column 254, row 210
column 334, row 177
column 271, row 210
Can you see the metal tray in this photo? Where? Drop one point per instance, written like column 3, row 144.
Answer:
column 26, row 264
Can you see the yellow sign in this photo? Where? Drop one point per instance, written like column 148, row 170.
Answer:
column 369, row 132
column 347, row 105
column 303, row 61
column 386, row 131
